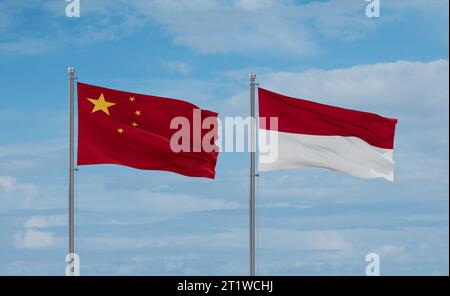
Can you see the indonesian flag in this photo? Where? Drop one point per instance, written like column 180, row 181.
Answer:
column 135, row 130
column 310, row 134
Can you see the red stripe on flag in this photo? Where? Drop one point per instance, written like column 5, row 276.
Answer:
column 305, row 117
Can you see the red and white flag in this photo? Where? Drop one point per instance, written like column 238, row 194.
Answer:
column 310, row 134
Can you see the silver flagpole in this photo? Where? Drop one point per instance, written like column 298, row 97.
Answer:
column 252, row 78
column 71, row 213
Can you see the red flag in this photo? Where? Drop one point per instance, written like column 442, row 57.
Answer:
column 117, row 127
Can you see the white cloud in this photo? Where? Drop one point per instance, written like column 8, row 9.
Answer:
column 121, row 242
column 281, row 27
column 345, row 253
column 15, row 195
column 108, row 21
column 38, row 148
column 211, row 26
column 20, row 158
column 161, row 202
column 431, row 6
column 26, row 45
column 5, row 21
column 390, row 251
column 271, row 238
column 45, row 221
column 254, row 4
column 178, row 67
column 33, row 239
column 283, row 239
column 221, row 27
column 387, row 86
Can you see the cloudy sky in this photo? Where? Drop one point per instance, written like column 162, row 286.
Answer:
column 310, row 221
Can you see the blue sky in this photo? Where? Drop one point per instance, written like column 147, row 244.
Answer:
column 310, row 221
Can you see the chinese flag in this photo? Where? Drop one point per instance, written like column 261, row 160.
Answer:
column 117, row 127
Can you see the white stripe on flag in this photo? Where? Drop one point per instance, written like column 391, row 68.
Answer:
column 349, row 155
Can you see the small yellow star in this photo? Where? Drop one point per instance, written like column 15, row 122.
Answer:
column 120, row 130
column 137, row 112
column 134, row 123
column 132, row 99
column 100, row 104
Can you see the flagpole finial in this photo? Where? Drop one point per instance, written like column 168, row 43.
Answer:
column 71, row 70
column 252, row 76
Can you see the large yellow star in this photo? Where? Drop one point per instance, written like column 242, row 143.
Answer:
column 101, row 105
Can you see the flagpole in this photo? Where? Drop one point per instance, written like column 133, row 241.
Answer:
column 71, row 213
column 252, row 240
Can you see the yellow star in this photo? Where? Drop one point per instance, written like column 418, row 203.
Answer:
column 120, row 130
column 138, row 113
column 101, row 105
column 134, row 123
column 132, row 99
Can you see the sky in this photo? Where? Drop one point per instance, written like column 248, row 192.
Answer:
column 309, row 221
